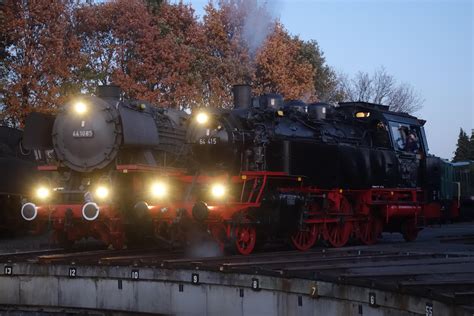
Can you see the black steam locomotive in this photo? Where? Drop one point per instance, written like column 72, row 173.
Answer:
column 355, row 145
column 100, row 156
column 317, row 170
column 17, row 168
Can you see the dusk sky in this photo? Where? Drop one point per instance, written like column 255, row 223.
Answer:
column 428, row 44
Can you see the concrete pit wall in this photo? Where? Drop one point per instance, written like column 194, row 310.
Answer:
column 163, row 291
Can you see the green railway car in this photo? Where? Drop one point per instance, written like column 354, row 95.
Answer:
column 464, row 177
column 442, row 186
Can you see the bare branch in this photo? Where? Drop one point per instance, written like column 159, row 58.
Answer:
column 381, row 88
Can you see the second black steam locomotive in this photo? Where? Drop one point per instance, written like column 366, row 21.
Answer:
column 316, row 171
column 355, row 145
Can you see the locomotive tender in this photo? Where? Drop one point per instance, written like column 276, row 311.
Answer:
column 266, row 169
column 97, row 151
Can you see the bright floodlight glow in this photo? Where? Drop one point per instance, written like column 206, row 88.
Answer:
column 42, row 193
column 80, row 107
column 202, row 118
column 159, row 189
column 102, row 192
column 218, row 190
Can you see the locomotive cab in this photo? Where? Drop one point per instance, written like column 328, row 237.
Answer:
column 409, row 144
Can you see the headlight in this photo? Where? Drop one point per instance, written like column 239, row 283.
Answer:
column 202, row 118
column 102, row 192
column 218, row 190
column 42, row 193
column 159, row 189
column 80, row 107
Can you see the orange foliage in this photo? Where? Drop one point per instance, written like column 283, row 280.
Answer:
column 162, row 53
column 151, row 57
column 168, row 66
column 110, row 34
column 227, row 58
column 41, row 56
column 280, row 68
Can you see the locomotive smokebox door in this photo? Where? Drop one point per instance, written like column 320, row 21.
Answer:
column 87, row 134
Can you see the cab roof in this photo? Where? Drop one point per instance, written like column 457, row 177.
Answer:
column 384, row 111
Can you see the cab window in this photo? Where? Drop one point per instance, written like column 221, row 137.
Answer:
column 380, row 136
column 405, row 137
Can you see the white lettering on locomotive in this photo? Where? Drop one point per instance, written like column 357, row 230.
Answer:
column 82, row 133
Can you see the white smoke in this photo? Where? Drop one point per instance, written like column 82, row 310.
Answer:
column 201, row 244
column 204, row 249
column 259, row 22
column 256, row 18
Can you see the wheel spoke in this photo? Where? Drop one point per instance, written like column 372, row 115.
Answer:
column 304, row 238
column 338, row 233
column 369, row 230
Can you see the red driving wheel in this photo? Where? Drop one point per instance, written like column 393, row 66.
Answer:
column 338, row 233
column 369, row 230
column 245, row 238
column 305, row 238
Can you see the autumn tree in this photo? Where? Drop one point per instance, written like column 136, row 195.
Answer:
column 282, row 67
column 41, row 56
column 150, row 49
column 170, row 65
column 154, row 5
column 246, row 44
column 108, row 33
column 325, row 79
column 382, row 88
column 3, row 70
column 462, row 148
column 154, row 50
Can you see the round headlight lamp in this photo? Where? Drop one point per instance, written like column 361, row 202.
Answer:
column 159, row 190
column 218, row 190
column 43, row 192
column 102, row 192
column 202, row 118
column 80, row 107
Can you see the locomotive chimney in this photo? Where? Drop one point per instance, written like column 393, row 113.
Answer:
column 242, row 96
column 108, row 92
